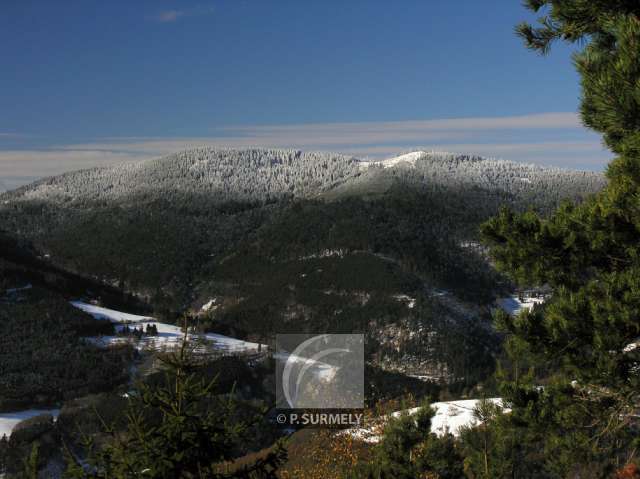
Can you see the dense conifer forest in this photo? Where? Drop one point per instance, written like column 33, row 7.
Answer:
column 160, row 228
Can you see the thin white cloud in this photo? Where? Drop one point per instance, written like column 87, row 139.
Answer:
column 553, row 139
column 41, row 163
column 171, row 16
column 344, row 135
column 534, row 121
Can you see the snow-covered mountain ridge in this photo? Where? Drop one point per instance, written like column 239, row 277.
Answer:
column 260, row 174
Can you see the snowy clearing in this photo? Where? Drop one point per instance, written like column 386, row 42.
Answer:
column 9, row 420
column 450, row 416
column 169, row 335
column 513, row 305
column 453, row 415
column 99, row 312
column 409, row 158
column 232, row 344
column 632, row 346
column 406, row 158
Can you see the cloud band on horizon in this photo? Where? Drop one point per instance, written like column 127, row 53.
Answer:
column 551, row 139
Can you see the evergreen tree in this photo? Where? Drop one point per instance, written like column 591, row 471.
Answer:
column 4, row 453
column 583, row 343
column 30, row 463
column 408, row 450
column 179, row 429
column 500, row 447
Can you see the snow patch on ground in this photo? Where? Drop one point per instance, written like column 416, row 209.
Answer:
column 513, row 305
column 425, row 377
column 232, row 344
column 326, row 253
column 406, row 158
column 114, row 316
column 209, row 305
column 9, row 420
column 450, row 417
column 632, row 346
column 409, row 158
column 17, row 290
column 410, row 302
column 453, row 415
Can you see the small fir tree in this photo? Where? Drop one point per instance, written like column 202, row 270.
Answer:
column 179, row 429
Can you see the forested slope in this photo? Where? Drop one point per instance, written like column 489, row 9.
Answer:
column 156, row 225
column 272, row 235
column 43, row 356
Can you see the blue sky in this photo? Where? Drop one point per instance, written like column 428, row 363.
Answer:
column 85, row 83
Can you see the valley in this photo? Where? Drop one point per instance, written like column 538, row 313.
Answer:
column 245, row 244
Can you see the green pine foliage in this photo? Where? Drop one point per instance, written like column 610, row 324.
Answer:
column 179, row 428
column 573, row 382
column 408, row 450
column 4, row 453
column 31, row 464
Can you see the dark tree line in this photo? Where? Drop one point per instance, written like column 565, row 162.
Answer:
column 43, row 358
